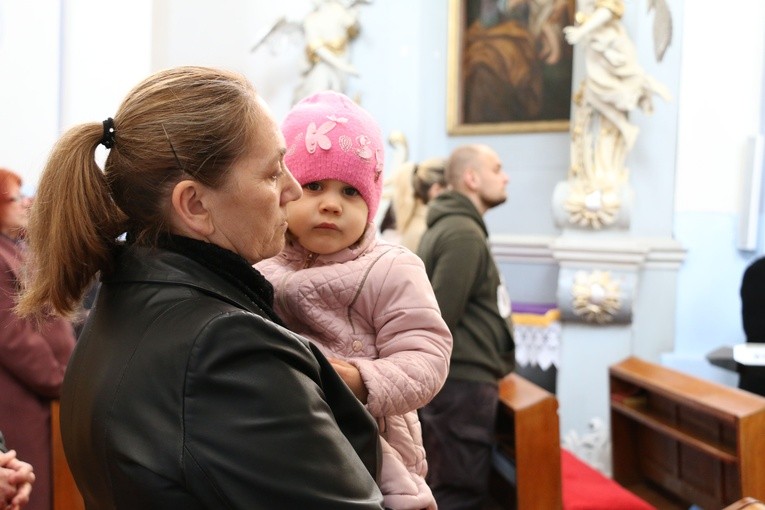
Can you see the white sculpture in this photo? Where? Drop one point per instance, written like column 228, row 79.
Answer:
column 327, row 30
column 614, row 85
column 593, row 447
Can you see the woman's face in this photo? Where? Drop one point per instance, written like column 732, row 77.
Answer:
column 248, row 211
column 15, row 213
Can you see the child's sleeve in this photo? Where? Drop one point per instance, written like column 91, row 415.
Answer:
column 413, row 341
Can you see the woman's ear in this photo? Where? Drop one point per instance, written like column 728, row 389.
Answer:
column 189, row 212
column 435, row 190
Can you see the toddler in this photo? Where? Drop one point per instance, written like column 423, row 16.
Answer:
column 367, row 304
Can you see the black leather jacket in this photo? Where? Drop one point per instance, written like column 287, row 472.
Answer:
column 182, row 395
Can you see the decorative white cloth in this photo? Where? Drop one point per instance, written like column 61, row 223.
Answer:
column 537, row 337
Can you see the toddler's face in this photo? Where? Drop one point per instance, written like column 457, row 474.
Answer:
column 330, row 216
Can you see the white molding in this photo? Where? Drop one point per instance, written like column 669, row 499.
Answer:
column 585, row 252
column 648, row 252
column 510, row 248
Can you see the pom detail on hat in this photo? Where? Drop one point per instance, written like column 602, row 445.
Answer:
column 331, row 137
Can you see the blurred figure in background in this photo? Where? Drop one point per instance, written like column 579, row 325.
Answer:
column 414, row 185
column 753, row 319
column 33, row 354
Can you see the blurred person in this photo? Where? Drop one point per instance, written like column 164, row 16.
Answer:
column 752, row 294
column 458, row 424
column 185, row 391
column 366, row 303
column 33, row 353
column 414, row 185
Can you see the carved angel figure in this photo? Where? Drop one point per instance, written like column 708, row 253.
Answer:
column 614, row 85
column 327, row 30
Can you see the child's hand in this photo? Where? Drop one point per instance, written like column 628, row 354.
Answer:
column 352, row 378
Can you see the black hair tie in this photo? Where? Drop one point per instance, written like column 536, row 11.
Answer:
column 107, row 140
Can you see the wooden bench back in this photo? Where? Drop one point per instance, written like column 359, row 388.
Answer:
column 65, row 493
column 528, row 434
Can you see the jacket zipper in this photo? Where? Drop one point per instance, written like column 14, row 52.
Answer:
column 309, row 260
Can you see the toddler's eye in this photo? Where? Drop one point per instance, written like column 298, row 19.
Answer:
column 313, row 186
column 351, row 191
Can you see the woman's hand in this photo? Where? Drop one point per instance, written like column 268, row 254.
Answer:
column 16, row 479
column 352, row 378
column 7, row 489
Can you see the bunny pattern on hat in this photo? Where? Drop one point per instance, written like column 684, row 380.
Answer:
column 331, row 137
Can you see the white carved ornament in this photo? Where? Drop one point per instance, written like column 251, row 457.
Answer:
column 595, row 296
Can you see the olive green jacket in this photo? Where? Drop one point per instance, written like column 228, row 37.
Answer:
column 466, row 282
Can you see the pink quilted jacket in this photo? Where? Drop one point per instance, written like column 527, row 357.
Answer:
column 372, row 305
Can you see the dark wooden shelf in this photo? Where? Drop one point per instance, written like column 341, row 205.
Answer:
column 682, row 440
column 683, row 434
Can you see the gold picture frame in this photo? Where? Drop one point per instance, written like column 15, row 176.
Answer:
column 509, row 66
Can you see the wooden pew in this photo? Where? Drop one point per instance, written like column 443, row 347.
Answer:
column 528, row 436
column 65, row 493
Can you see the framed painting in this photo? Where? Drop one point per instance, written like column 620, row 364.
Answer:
column 509, row 66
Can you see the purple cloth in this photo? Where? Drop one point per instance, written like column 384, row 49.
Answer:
column 535, row 308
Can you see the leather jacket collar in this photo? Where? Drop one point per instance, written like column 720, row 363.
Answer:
column 141, row 264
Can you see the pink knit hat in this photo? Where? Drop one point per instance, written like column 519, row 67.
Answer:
column 331, row 137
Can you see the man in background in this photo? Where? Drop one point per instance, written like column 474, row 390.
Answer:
column 458, row 424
